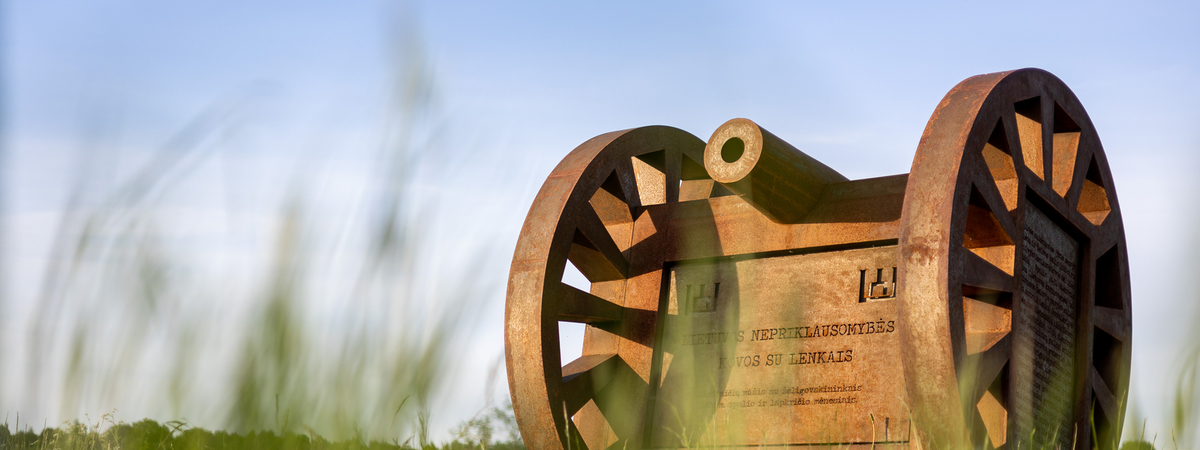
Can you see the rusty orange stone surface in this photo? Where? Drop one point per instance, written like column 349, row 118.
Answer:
column 744, row 294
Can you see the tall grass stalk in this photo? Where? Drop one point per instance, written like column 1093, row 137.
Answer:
column 1185, row 406
column 123, row 313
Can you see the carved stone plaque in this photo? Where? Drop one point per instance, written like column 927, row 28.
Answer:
column 788, row 354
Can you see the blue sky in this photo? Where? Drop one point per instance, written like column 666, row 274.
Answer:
column 516, row 86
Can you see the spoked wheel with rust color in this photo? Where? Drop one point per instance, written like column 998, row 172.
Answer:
column 584, row 215
column 1014, row 289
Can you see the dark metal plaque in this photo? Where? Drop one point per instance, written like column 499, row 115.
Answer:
column 1044, row 357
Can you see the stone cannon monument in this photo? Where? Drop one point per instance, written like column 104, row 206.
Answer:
column 744, row 294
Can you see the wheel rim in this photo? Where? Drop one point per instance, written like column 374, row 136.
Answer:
column 1010, row 190
column 584, row 214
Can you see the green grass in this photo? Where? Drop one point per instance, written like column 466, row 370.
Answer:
column 123, row 313
column 151, row 435
column 493, row 429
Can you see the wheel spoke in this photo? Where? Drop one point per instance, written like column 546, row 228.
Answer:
column 575, row 305
column 1013, row 135
column 994, row 417
column 1093, row 200
column 584, row 377
column 990, row 193
column 986, row 318
column 694, row 182
column 1109, row 288
column 628, row 179
column 1029, row 129
column 981, row 273
column 650, row 171
column 619, row 402
column 593, row 250
column 1111, row 321
column 997, row 156
column 672, row 171
column 1109, row 234
column 1079, row 174
column 610, row 201
column 1103, row 394
column 988, row 234
column 1065, row 144
column 596, row 432
column 987, row 366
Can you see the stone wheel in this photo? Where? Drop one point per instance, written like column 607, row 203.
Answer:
column 584, row 215
column 1010, row 194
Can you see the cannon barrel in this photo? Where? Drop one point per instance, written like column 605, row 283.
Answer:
column 775, row 177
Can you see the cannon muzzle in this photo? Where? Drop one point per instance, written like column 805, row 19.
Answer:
column 775, row 177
